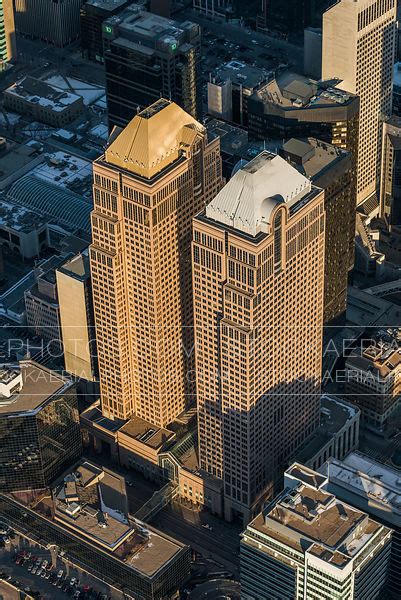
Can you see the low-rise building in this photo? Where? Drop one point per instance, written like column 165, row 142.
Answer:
column 39, row 426
column 337, row 434
column 376, row 489
column 230, row 88
column 22, row 231
column 87, row 515
column 43, row 102
column 42, row 308
column 372, row 374
column 309, row 544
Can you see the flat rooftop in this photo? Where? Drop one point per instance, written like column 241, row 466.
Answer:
column 374, row 482
column 77, row 267
column 38, row 384
column 334, row 415
column 291, row 90
column 308, row 518
column 42, row 94
column 232, row 138
column 145, row 432
column 92, row 502
column 18, row 218
column 383, row 355
column 240, row 73
column 313, row 157
column 107, row 5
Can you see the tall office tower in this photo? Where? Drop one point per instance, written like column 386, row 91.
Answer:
column 148, row 57
column 76, row 317
column 308, row 543
column 258, row 265
column 358, row 48
column 92, row 15
column 56, row 23
column 7, row 31
column 332, row 170
column 153, row 177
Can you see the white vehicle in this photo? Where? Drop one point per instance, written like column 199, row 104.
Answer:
column 60, row 573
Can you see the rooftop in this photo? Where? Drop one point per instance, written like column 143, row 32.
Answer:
column 38, row 92
column 334, row 415
column 232, row 138
column 38, row 385
column 107, row 5
column 154, row 139
column 291, row 90
column 93, row 501
column 382, row 356
column 77, row 267
column 313, row 158
column 374, row 482
column 240, row 73
column 309, row 519
column 246, row 202
column 65, row 171
column 146, row 432
column 19, row 218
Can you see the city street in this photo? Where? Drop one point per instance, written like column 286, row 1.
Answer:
column 219, row 541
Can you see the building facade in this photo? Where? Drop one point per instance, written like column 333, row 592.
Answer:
column 92, row 15
column 148, row 57
column 390, row 174
column 56, row 23
column 258, row 264
column 309, row 544
column 372, row 376
column 8, row 49
column 373, row 488
column 332, row 169
column 77, row 323
column 350, row 31
column 154, row 176
column 39, row 427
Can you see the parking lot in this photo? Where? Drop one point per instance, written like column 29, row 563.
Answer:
column 45, row 572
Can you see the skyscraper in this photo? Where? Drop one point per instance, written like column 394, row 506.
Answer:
column 358, row 48
column 153, row 177
column 7, row 31
column 258, row 264
column 148, row 57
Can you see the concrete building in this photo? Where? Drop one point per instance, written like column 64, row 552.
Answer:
column 308, row 543
column 92, row 15
column 56, row 23
column 397, row 88
column 229, row 89
column 294, row 106
column 372, row 375
column 336, row 436
column 153, row 177
column 8, row 49
column 22, row 231
column 42, row 308
column 332, row 169
column 148, row 57
column 258, row 258
column 374, row 488
column 43, row 102
column 86, row 514
column 350, row 30
column 39, row 426
column 77, row 323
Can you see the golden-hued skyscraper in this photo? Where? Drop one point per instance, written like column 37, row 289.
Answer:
column 358, row 48
column 153, row 177
column 258, row 268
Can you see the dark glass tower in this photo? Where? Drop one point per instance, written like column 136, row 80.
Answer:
column 39, row 427
column 148, row 57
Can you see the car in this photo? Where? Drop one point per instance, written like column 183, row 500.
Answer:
column 39, row 572
column 35, row 568
column 21, row 561
column 73, row 580
column 30, row 566
column 43, row 573
column 60, row 583
column 47, row 574
column 77, row 594
column 60, row 573
column 44, row 564
column 65, row 586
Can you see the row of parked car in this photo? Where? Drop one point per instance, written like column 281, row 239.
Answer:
column 70, row 585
